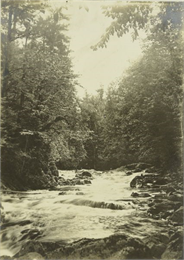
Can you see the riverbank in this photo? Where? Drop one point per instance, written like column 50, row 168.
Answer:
column 143, row 219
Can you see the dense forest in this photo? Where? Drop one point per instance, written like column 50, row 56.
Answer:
column 46, row 127
column 98, row 176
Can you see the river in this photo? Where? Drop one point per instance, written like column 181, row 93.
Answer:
column 83, row 211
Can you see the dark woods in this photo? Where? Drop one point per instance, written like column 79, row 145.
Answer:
column 45, row 125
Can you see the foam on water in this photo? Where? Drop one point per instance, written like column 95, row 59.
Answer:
column 91, row 211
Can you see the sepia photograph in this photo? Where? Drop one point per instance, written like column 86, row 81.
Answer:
column 92, row 130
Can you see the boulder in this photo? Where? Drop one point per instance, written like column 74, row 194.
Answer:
column 135, row 194
column 137, row 181
column 169, row 189
column 141, row 195
column 175, row 197
column 162, row 209
column 53, row 169
column 31, row 256
column 117, row 246
column 42, row 248
column 174, row 249
column 62, row 193
column 177, row 216
column 79, row 182
column 148, row 180
column 129, row 173
column 84, row 174
column 87, row 182
column 160, row 181
column 157, row 244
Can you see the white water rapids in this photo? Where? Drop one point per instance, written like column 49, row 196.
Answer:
column 83, row 211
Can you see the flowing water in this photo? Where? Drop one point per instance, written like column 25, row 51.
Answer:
column 83, row 211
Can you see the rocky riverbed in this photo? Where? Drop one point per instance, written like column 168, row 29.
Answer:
column 129, row 213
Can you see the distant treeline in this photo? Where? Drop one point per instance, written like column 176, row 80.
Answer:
column 43, row 121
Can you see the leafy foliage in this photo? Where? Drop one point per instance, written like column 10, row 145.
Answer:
column 92, row 112
column 134, row 18
column 143, row 112
column 41, row 123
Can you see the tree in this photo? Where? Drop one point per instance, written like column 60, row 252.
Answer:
column 39, row 103
column 145, row 114
column 134, row 18
column 92, row 112
column 143, row 121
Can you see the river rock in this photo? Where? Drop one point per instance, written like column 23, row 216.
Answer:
column 20, row 223
column 175, row 197
column 62, row 193
column 41, row 248
column 117, row 246
column 30, row 234
column 84, row 174
column 79, row 193
column 174, row 249
column 129, row 173
column 6, row 257
column 142, row 194
column 160, row 181
column 31, row 256
column 147, row 181
column 137, row 181
column 163, row 209
column 53, row 169
column 157, row 244
column 79, row 182
column 87, row 182
column 135, row 194
column 177, row 216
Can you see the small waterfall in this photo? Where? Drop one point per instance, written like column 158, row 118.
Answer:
column 94, row 204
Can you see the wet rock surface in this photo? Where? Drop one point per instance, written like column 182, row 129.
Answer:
column 166, row 203
column 117, row 246
column 81, row 178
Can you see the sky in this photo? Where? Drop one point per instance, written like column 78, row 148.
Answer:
column 96, row 68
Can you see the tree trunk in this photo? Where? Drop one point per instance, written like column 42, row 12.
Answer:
column 7, row 53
